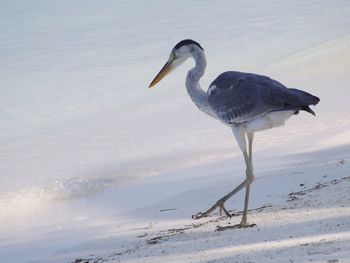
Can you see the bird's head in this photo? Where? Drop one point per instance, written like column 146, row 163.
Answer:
column 178, row 55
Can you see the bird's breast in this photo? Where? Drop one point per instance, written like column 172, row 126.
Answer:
column 269, row 120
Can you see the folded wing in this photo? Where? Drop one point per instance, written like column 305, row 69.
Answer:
column 238, row 97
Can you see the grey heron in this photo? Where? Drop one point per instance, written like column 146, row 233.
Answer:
column 246, row 102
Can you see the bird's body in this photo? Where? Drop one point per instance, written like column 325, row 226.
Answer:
column 255, row 101
column 246, row 102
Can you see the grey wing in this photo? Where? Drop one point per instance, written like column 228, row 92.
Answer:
column 238, row 97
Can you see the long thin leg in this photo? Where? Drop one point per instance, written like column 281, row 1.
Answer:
column 221, row 201
column 250, row 177
column 240, row 137
column 250, row 136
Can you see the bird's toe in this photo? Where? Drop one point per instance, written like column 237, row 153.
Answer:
column 199, row 215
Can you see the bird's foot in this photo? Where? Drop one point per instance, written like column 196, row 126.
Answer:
column 200, row 215
column 222, row 208
column 238, row 226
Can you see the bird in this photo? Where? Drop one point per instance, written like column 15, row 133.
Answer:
column 246, row 102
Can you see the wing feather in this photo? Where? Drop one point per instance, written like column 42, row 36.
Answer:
column 238, row 97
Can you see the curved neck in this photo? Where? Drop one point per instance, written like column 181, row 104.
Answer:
column 197, row 94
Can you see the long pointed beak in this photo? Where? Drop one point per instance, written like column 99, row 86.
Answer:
column 167, row 68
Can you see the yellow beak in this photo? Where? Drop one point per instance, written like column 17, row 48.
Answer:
column 162, row 73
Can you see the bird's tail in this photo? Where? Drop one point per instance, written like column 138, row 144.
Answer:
column 305, row 100
column 308, row 109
